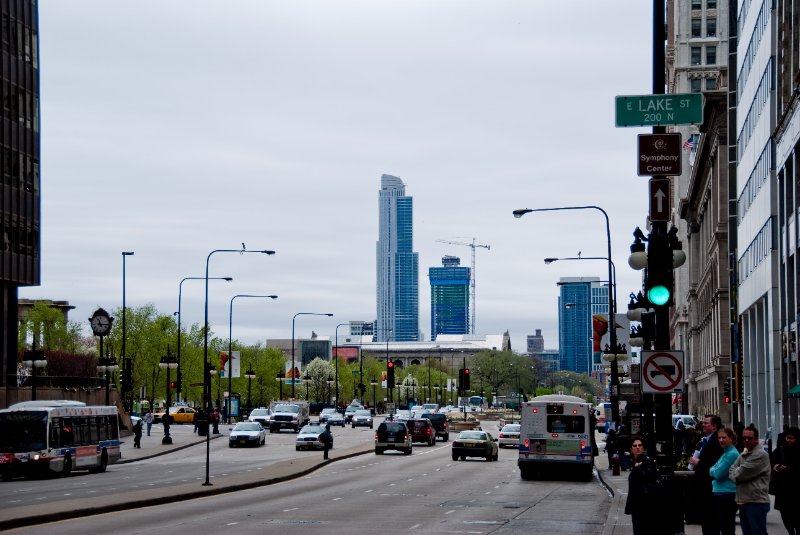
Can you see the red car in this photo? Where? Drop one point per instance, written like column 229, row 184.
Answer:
column 422, row 430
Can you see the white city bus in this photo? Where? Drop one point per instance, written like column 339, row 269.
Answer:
column 57, row 436
column 555, row 431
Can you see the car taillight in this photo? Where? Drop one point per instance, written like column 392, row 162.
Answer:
column 583, row 444
column 502, row 435
column 376, row 436
column 428, row 431
column 527, row 444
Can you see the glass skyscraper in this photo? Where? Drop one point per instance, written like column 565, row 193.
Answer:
column 397, row 265
column 449, row 297
column 581, row 298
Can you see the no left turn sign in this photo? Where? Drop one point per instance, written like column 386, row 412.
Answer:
column 662, row 372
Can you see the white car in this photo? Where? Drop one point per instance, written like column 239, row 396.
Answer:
column 509, row 436
column 323, row 416
column 247, row 434
column 335, row 418
column 310, row 438
column 260, row 415
column 362, row 417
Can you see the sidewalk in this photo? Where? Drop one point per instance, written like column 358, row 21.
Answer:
column 618, row 523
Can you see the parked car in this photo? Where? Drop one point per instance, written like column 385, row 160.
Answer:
column 689, row 421
column 247, row 434
column 422, row 430
column 362, row 417
column 177, row 415
column 509, row 436
column 310, row 438
column 475, row 444
column 323, row 416
column 260, row 415
column 392, row 436
column 336, row 418
column 439, row 422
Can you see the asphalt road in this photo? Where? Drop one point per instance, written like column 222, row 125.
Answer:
column 426, row 492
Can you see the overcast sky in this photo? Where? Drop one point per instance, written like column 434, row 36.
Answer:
column 174, row 128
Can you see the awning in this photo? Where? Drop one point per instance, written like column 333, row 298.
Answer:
column 794, row 392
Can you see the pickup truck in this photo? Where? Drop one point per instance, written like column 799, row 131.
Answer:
column 289, row 414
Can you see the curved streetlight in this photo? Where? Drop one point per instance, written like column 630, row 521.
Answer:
column 293, row 318
column 125, row 366
column 180, row 290
column 611, row 310
column 206, row 371
column 230, row 352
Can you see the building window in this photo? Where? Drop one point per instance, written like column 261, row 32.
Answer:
column 711, row 27
column 711, row 84
column 711, row 4
column 696, row 55
column 698, row 4
column 711, row 55
column 695, row 85
column 697, row 28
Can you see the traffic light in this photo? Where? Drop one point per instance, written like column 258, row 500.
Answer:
column 172, row 385
column 390, row 374
column 659, row 282
column 125, row 380
column 466, row 379
column 461, row 379
column 726, row 390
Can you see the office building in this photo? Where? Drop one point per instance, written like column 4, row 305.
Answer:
column 581, row 302
column 397, row 265
column 449, row 297
column 535, row 343
column 19, row 164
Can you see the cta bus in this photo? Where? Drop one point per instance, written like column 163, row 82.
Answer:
column 555, row 431
column 57, row 437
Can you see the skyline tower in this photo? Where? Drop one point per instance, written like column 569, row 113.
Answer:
column 449, row 297
column 580, row 298
column 397, row 265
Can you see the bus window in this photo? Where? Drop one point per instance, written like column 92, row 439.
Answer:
column 23, row 431
column 67, row 434
column 566, row 424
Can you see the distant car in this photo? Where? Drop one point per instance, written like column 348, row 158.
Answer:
column 402, row 415
column 310, row 438
column 323, row 416
column 177, row 415
column 509, row 436
column 247, row 434
column 350, row 411
column 689, row 421
column 475, row 444
column 335, row 418
column 422, row 430
column 260, row 415
column 362, row 417
column 439, row 422
column 392, row 436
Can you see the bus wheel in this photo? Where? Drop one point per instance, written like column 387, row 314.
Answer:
column 103, row 463
column 526, row 474
column 67, row 466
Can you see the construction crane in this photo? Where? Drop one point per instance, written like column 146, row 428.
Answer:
column 471, row 245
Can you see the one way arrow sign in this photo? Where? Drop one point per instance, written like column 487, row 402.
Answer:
column 660, row 199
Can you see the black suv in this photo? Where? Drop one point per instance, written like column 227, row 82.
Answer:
column 422, row 430
column 392, row 436
column 439, row 422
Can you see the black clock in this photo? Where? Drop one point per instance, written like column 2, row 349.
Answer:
column 101, row 322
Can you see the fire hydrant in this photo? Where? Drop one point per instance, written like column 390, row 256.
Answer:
column 615, row 464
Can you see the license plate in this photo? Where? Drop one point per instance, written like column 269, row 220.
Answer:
column 469, row 444
column 242, row 440
column 390, row 439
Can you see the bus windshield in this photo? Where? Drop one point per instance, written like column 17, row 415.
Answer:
column 23, row 431
column 562, row 423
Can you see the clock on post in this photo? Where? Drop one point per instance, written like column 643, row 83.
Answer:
column 101, row 322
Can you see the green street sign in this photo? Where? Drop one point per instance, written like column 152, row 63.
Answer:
column 659, row 110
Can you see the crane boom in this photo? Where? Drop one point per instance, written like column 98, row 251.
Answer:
column 472, row 245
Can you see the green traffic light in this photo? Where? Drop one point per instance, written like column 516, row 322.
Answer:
column 658, row 295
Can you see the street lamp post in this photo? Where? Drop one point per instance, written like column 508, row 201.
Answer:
column 611, row 311
column 336, row 364
column 125, row 364
column 279, row 378
column 180, row 290
column 107, row 365
column 374, row 383
column 250, row 374
column 293, row 318
column 230, row 351
column 207, row 376
column 168, row 362
column 35, row 363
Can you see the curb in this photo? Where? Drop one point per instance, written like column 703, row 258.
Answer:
column 160, row 500
column 165, row 452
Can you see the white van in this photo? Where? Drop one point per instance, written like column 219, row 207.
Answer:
column 689, row 421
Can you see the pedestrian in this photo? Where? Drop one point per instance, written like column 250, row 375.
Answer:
column 327, row 441
column 148, row 420
column 722, row 488
column 782, row 436
column 751, row 472
column 623, row 446
column 215, row 421
column 195, row 420
column 137, row 433
column 785, row 479
column 705, row 456
column 611, row 447
column 645, row 493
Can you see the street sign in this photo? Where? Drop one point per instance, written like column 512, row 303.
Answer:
column 657, row 110
column 659, row 154
column 662, row 372
column 660, row 199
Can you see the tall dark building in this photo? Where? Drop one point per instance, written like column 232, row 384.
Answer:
column 19, row 161
column 449, row 297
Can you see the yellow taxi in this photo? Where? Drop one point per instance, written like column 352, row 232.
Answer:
column 177, row 415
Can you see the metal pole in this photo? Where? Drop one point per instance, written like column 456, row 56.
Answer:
column 336, row 397
column 124, row 351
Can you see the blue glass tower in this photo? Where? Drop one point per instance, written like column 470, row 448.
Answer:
column 397, row 265
column 581, row 298
column 449, row 297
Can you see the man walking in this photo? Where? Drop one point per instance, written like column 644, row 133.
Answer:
column 707, row 454
column 327, row 440
column 148, row 420
column 750, row 472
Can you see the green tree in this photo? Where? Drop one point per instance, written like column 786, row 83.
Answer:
column 44, row 327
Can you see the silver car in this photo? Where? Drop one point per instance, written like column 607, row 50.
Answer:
column 310, row 438
column 363, row 418
column 509, row 436
column 247, row 434
column 260, row 415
